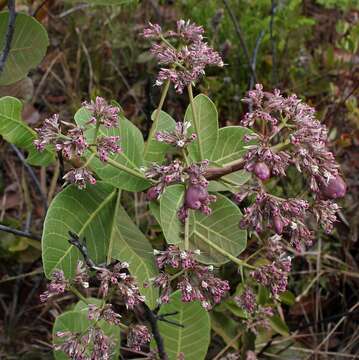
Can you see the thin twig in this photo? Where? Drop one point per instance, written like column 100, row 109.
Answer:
column 152, row 319
column 81, row 246
column 238, row 30
column 254, row 57
column 39, row 7
column 150, row 316
column 217, row 172
column 9, row 34
column 272, row 40
column 31, row 173
column 19, row 232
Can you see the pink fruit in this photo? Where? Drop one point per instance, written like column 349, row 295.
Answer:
column 335, row 188
column 262, row 171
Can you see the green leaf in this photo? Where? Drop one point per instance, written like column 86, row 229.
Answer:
column 206, row 233
column 207, row 134
column 15, row 131
column 219, row 230
column 155, row 210
column 77, row 321
column 287, row 298
column 278, row 325
column 154, row 150
column 193, row 338
column 28, row 46
column 89, row 214
column 230, row 144
column 225, row 327
column 231, row 182
column 129, row 244
column 170, row 202
column 96, row 214
column 131, row 157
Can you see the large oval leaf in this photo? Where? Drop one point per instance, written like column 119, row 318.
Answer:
column 230, row 145
column 127, row 243
column 89, row 214
column 131, row 157
column 15, row 131
column 78, row 322
column 28, row 46
column 155, row 151
column 220, row 229
column 193, row 338
column 207, row 128
column 215, row 235
column 171, row 201
column 96, row 214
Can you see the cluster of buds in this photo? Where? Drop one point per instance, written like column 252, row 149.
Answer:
column 274, row 275
column 258, row 316
column 138, row 336
column 196, row 196
column 195, row 281
column 182, row 53
column 102, row 113
column 165, row 175
column 57, row 286
column 287, row 217
column 283, row 216
column 305, row 144
column 121, row 282
column 89, row 345
column 179, row 137
column 104, row 313
column 72, row 144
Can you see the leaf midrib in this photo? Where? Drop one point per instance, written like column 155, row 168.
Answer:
column 90, row 218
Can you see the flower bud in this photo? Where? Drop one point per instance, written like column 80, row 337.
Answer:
column 195, row 195
column 278, row 224
column 334, row 189
column 262, row 171
column 152, row 193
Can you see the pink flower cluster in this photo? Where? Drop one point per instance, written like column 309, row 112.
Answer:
column 165, row 175
column 73, row 144
column 183, row 52
column 104, row 313
column 178, row 137
column 287, row 217
column 274, row 275
column 138, row 336
column 102, row 112
column 93, row 344
column 195, row 281
column 57, row 286
column 306, row 148
column 122, row 283
column 258, row 316
column 80, row 176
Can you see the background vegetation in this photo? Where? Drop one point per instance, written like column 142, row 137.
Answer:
column 304, row 46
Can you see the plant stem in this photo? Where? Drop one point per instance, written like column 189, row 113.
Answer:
column 158, row 111
column 9, row 34
column 175, row 276
column 183, row 151
column 195, row 120
column 78, row 294
column 124, row 168
column 224, row 252
column 186, row 234
column 96, row 131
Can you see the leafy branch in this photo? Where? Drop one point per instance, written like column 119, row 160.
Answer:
column 9, row 34
column 150, row 316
